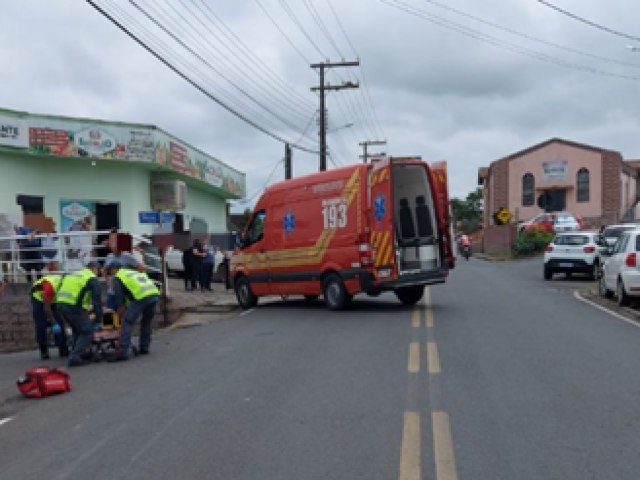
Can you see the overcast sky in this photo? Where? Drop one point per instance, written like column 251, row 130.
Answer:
column 465, row 81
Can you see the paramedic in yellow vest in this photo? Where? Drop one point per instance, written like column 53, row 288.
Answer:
column 76, row 290
column 136, row 295
column 45, row 313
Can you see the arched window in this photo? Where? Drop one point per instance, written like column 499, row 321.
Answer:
column 582, row 185
column 528, row 187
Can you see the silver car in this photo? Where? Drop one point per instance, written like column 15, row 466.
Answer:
column 621, row 270
column 611, row 233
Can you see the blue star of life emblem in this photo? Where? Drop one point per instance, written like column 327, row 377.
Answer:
column 379, row 209
column 289, row 222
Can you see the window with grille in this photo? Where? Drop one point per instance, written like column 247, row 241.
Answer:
column 528, row 187
column 582, row 185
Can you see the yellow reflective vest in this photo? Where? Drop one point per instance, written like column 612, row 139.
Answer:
column 137, row 283
column 72, row 290
column 54, row 280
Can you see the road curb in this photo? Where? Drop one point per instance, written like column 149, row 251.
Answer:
column 628, row 312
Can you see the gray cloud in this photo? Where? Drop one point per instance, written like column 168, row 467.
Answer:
column 436, row 93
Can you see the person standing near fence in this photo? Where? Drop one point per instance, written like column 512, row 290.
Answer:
column 207, row 267
column 187, row 264
column 30, row 255
column 196, row 264
column 77, row 289
column 50, row 255
column 45, row 314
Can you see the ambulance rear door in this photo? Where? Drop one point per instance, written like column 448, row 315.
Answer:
column 439, row 182
column 381, row 220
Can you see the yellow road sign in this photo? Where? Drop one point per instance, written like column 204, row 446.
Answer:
column 504, row 216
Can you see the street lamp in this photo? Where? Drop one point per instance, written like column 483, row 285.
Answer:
column 346, row 125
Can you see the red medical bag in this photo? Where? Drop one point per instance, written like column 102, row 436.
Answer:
column 42, row 382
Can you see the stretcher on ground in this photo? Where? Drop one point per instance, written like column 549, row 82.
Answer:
column 104, row 342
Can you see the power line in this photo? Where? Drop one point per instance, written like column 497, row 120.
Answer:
column 266, row 92
column 589, row 22
column 289, row 89
column 257, row 192
column 258, row 117
column 180, row 60
column 285, row 6
column 212, row 67
column 357, row 110
column 368, row 100
column 293, row 45
column 199, row 87
column 530, row 37
column 501, row 43
column 323, row 28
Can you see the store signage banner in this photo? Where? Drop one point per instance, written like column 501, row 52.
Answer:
column 69, row 138
column 94, row 141
column 13, row 132
column 556, row 170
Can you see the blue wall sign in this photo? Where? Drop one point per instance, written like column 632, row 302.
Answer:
column 155, row 217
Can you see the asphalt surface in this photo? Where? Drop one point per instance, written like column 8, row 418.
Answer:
column 497, row 375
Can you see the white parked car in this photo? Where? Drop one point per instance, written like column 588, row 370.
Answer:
column 573, row 252
column 621, row 270
column 173, row 258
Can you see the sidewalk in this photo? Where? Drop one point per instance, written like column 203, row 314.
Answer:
column 183, row 305
column 183, row 300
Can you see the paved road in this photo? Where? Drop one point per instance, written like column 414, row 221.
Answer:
column 497, row 375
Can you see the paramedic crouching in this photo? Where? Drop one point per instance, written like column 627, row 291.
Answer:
column 135, row 295
column 43, row 294
column 78, row 290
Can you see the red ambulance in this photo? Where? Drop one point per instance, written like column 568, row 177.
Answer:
column 363, row 228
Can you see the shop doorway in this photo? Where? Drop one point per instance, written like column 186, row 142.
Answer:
column 107, row 216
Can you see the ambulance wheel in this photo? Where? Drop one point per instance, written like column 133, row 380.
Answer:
column 246, row 298
column 410, row 295
column 335, row 295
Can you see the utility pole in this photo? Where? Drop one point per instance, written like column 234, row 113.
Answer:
column 364, row 146
column 287, row 162
column 322, row 88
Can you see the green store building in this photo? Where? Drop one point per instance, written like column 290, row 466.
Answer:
column 58, row 170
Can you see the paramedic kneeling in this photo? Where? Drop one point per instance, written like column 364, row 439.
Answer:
column 78, row 290
column 135, row 295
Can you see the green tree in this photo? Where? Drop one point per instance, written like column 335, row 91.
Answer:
column 468, row 212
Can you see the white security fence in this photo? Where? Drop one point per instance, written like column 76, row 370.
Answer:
column 23, row 257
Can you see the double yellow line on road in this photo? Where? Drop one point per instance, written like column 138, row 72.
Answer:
column 411, row 448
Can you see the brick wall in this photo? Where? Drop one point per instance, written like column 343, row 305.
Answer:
column 501, row 185
column 496, row 190
column 498, row 239
column 611, row 188
column 16, row 323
